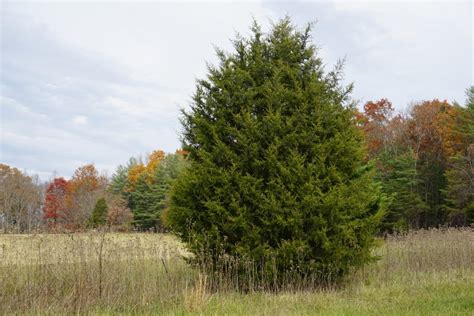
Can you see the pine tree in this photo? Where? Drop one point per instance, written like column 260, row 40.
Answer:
column 459, row 193
column 277, row 173
column 460, row 190
column 99, row 214
column 139, row 203
column 399, row 180
column 149, row 199
column 466, row 124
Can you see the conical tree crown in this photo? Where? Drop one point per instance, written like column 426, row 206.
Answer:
column 99, row 214
column 276, row 161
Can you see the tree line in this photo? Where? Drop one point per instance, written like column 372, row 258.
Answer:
column 133, row 198
column 423, row 157
column 424, row 160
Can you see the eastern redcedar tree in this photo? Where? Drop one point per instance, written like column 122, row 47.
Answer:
column 277, row 169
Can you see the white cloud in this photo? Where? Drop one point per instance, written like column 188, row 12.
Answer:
column 80, row 120
column 401, row 50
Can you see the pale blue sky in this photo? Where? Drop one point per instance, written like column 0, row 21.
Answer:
column 102, row 81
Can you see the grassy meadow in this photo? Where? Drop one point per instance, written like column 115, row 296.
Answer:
column 422, row 273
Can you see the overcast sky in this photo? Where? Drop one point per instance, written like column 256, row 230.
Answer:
column 99, row 82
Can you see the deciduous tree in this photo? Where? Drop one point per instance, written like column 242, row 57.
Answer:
column 85, row 188
column 54, row 208
column 20, row 198
column 119, row 216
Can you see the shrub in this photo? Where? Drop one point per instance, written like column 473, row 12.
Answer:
column 277, row 175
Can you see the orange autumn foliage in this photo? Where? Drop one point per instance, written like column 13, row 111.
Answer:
column 134, row 174
column 432, row 129
column 181, row 152
column 375, row 122
column 145, row 170
column 84, row 188
column 154, row 160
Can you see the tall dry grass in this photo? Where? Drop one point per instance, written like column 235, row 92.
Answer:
column 419, row 254
column 79, row 273
column 110, row 273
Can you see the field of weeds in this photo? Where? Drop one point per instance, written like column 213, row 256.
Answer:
column 422, row 273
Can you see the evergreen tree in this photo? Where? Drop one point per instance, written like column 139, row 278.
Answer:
column 99, row 214
column 399, row 181
column 466, row 124
column 277, row 173
column 459, row 193
column 460, row 190
column 149, row 199
column 139, row 203
column 120, row 181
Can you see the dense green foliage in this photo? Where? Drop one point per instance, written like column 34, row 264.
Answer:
column 459, row 192
column 277, row 173
column 149, row 199
column 399, row 181
column 99, row 214
column 119, row 182
column 147, row 196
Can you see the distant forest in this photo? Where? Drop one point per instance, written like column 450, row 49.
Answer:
column 423, row 159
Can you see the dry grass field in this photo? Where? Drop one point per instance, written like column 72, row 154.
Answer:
column 422, row 273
